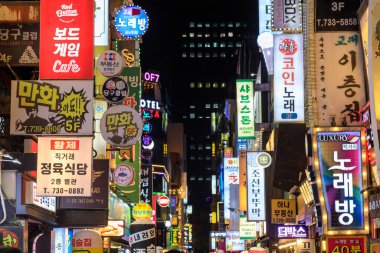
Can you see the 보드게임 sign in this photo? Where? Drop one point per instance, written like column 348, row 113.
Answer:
column 121, row 126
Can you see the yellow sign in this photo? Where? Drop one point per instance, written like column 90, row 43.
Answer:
column 283, row 211
column 142, row 211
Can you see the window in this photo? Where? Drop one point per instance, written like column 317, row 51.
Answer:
column 184, row 45
column 192, row 146
column 230, row 44
column 207, row 35
column 199, row 55
column 184, row 117
column 208, row 84
column 230, row 24
column 215, row 106
column 192, row 178
column 192, row 106
column 214, row 34
column 208, row 168
column 215, row 44
column 191, row 44
column 200, row 178
column 192, row 55
column 238, row 44
column 208, row 147
column 192, row 115
column 214, row 24
column 222, row 24
column 207, row 44
column 208, row 178
column 214, row 54
column 200, row 85
column 200, row 147
column 222, row 35
column 237, row 24
column 215, row 85
column 191, row 35
column 230, row 34
column 199, row 25
column 192, row 85
column 184, row 35
column 192, row 24
column 200, row 117
column 207, row 106
column 199, row 35
column 200, row 44
column 207, row 55
column 200, row 158
column 223, row 85
column 184, row 55
column 222, row 44
column 207, row 25
column 192, row 157
column 208, row 158
column 223, row 54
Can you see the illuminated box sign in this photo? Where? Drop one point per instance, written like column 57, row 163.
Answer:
column 244, row 100
column 290, row 232
column 283, row 211
column 67, row 29
column 231, row 176
column 64, row 166
column 247, row 228
column 288, row 78
column 265, row 15
column 256, row 202
column 286, row 15
column 131, row 21
column 233, row 241
column 48, row 203
column 340, row 178
column 101, row 22
column 346, row 244
column 52, row 107
column 340, row 79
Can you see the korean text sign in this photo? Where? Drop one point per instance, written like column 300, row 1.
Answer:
column 51, row 107
column 346, row 244
column 340, row 169
column 288, row 78
column 283, row 211
column 244, row 100
column 231, row 176
column 64, row 166
column 340, row 78
column 67, row 29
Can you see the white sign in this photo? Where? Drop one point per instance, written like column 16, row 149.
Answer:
column 245, row 110
column 340, row 78
column 306, row 246
column 48, row 203
column 64, row 166
column 288, row 78
column 286, row 15
column 101, row 23
column 247, row 228
column 231, row 176
column 233, row 241
column 256, row 163
column 265, row 15
column 109, row 63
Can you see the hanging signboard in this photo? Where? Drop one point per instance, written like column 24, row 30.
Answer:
column 288, row 78
column 286, row 15
column 341, row 175
column 245, row 115
column 51, row 107
column 256, row 195
column 64, row 166
column 231, row 176
column 346, row 244
column 121, row 126
column 20, row 44
column 283, row 211
column 336, row 15
column 110, row 63
column 131, row 21
column 12, row 237
column 87, row 241
column 341, row 84
column 67, row 29
column 146, row 184
column 292, row 231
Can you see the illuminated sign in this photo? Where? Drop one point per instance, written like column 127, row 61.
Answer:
column 131, row 21
column 150, row 104
column 288, row 78
column 290, row 232
column 48, row 203
column 233, row 241
column 151, row 77
column 67, row 29
column 265, row 17
column 247, row 228
column 231, row 176
column 286, row 15
column 256, row 204
column 342, row 244
column 64, row 166
column 341, row 175
column 283, row 211
column 109, row 63
column 245, row 115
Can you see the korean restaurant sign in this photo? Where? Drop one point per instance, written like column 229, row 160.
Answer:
column 283, row 211
column 19, row 44
column 288, row 78
column 286, row 15
column 87, row 241
column 346, row 244
column 231, row 176
column 51, row 107
column 340, row 78
column 64, row 166
column 109, row 63
column 292, row 231
column 340, row 178
column 233, row 241
column 121, row 126
column 255, row 178
column 67, row 29
column 244, row 100
column 336, row 15
column 131, row 21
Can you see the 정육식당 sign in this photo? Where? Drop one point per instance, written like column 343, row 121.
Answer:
column 51, row 107
column 121, row 126
column 67, row 29
column 64, row 166
column 131, row 21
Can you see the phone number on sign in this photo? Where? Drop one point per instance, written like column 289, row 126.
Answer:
column 58, row 190
column 42, row 129
column 321, row 22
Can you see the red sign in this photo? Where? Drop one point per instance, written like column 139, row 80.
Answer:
column 343, row 244
column 67, row 39
column 163, row 201
column 64, row 144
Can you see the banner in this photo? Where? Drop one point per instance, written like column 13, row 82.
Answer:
column 51, row 107
column 67, row 29
column 340, row 79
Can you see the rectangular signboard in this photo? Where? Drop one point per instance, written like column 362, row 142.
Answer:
column 51, row 107
column 288, row 78
column 340, row 177
column 233, row 241
column 283, row 211
column 340, row 78
column 64, row 166
column 20, row 44
column 67, row 29
column 245, row 110
column 336, row 15
column 286, row 15
column 231, row 176
column 247, row 228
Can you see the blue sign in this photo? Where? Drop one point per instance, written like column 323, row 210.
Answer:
column 131, row 21
column 292, row 231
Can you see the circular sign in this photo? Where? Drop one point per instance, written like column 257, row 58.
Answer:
column 115, row 90
column 110, row 63
column 163, row 201
column 121, row 126
column 131, row 21
column 142, row 211
column 288, row 47
column 123, row 175
column 264, row 159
